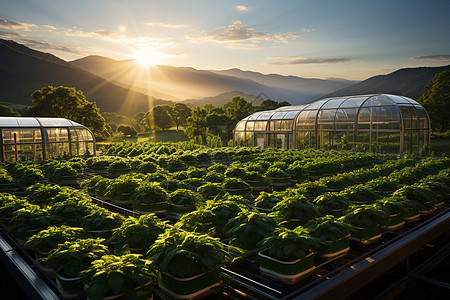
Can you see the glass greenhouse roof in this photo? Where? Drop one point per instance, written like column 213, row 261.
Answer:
column 290, row 112
column 37, row 122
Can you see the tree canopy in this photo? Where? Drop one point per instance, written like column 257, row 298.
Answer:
column 67, row 102
column 159, row 117
column 196, row 123
column 127, row 130
column 180, row 113
column 436, row 100
column 6, row 111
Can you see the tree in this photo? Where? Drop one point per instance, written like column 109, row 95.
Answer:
column 127, row 130
column 196, row 123
column 137, row 120
column 268, row 104
column 238, row 108
column 67, row 102
column 436, row 100
column 6, row 111
column 180, row 114
column 214, row 121
column 159, row 117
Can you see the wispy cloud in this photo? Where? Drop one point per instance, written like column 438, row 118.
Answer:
column 439, row 57
column 242, row 8
column 160, row 24
column 9, row 34
column 45, row 45
column 16, row 25
column 298, row 60
column 240, row 35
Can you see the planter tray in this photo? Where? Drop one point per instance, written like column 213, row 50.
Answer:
column 412, row 218
column 394, row 227
column 366, row 242
column 335, row 254
column 190, row 288
column 287, row 279
column 286, row 272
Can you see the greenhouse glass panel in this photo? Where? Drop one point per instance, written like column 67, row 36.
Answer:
column 345, row 118
column 250, row 126
column 306, row 120
column 58, row 134
column 353, row 102
column 249, row 139
column 378, row 122
column 378, row 100
column 333, row 103
column 240, row 126
column 325, row 120
column 261, row 125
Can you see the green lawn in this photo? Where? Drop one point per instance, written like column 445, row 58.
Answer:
column 171, row 135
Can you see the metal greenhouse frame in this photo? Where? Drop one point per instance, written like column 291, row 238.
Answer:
column 30, row 138
column 377, row 122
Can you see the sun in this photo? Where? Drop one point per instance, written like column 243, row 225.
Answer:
column 147, row 57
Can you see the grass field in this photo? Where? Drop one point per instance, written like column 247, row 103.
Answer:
column 171, row 135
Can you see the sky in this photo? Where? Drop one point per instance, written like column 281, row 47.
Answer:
column 350, row 39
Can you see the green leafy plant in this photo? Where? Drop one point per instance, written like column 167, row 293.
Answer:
column 247, row 229
column 288, row 245
column 183, row 197
column 268, row 200
column 72, row 257
column 137, row 234
column 210, row 190
column 295, row 210
column 327, row 228
column 115, row 275
column 49, row 238
column 183, row 254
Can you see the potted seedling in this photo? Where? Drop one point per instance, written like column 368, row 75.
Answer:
column 188, row 264
column 8, row 205
column 257, row 181
column 42, row 194
column 333, row 233
column 247, row 229
column 297, row 172
column 29, row 220
column 360, row 194
column 311, row 189
column 72, row 210
column 364, row 222
column 236, row 186
column 182, row 201
column 288, row 255
column 214, row 177
column 48, row 239
column 266, row 201
column 223, row 210
column 117, row 168
column 69, row 259
column 395, row 213
column 412, row 192
column 382, row 185
column 150, row 197
column 331, row 203
column 6, row 181
column 294, row 211
column 100, row 222
column 120, row 189
column 210, row 190
column 118, row 277
column 199, row 221
column 136, row 234
column 278, row 176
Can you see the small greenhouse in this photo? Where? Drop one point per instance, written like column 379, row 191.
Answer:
column 379, row 123
column 32, row 138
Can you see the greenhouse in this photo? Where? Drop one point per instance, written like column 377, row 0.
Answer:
column 30, row 138
column 379, row 123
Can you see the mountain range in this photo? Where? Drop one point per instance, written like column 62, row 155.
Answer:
column 124, row 87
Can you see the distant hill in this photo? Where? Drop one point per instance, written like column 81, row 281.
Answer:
column 408, row 82
column 190, row 83
column 300, row 90
column 23, row 70
column 223, row 98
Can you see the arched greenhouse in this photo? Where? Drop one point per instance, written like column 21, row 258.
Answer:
column 30, row 138
column 378, row 122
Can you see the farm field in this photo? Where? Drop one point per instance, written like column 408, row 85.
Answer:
column 180, row 212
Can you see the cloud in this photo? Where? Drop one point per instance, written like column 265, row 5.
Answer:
column 240, row 35
column 441, row 57
column 242, row 8
column 16, row 25
column 9, row 34
column 159, row 24
column 298, row 60
column 103, row 32
column 44, row 45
